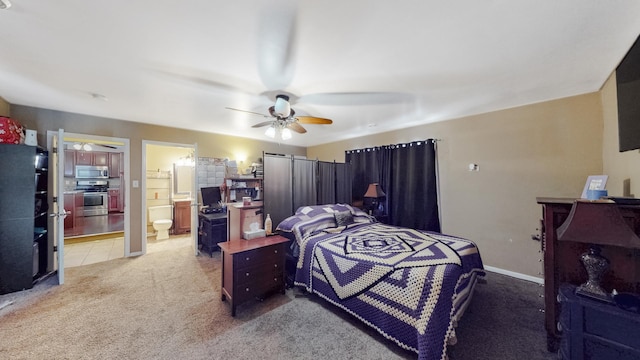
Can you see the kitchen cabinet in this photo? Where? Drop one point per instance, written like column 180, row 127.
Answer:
column 114, row 200
column 74, row 206
column 181, row 217
column 116, row 164
column 96, row 158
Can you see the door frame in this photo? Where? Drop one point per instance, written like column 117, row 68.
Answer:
column 126, row 149
column 194, row 197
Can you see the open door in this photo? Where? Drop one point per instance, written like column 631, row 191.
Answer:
column 59, row 213
column 195, row 223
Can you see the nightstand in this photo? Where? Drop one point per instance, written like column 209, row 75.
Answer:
column 593, row 330
column 252, row 268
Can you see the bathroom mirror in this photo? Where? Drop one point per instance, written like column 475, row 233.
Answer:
column 182, row 179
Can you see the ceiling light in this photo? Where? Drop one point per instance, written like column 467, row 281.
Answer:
column 285, row 134
column 271, row 132
column 5, row 4
column 86, row 147
column 282, row 106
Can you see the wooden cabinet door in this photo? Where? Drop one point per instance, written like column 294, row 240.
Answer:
column 114, row 200
column 69, row 163
column 182, row 217
column 100, row 158
column 115, row 164
column 83, row 158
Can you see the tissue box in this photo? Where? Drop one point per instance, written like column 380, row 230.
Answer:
column 252, row 234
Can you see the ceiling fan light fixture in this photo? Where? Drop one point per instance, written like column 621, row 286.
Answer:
column 285, row 134
column 87, row 147
column 282, row 106
column 77, row 146
column 271, row 132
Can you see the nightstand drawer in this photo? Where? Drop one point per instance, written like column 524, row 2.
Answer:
column 256, row 273
column 262, row 285
column 260, row 256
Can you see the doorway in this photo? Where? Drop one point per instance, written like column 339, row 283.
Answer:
column 169, row 199
column 96, row 200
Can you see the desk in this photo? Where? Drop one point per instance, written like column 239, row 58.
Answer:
column 212, row 229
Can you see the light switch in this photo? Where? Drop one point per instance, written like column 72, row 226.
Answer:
column 135, row 183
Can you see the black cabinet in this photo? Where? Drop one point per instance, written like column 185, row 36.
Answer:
column 212, row 229
column 26, row 253
column 593, row 330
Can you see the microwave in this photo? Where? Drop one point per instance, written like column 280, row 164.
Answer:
column 92, row 172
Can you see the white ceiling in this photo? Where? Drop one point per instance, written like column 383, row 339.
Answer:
column 370, row 65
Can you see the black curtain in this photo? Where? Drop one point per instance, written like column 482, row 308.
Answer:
column 365, row 169
column 407, row 175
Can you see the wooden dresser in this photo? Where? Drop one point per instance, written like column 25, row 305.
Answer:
column 562, row 261
column 252, row 268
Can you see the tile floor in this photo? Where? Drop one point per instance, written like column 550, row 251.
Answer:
column 90, row 252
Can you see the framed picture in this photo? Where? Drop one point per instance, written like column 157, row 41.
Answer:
column 594, row 182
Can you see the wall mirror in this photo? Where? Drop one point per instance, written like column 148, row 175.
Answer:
column 182, row 179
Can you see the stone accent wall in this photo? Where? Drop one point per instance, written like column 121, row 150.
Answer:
column 210, row 171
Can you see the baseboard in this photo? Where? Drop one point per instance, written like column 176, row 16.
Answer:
column 515, row 274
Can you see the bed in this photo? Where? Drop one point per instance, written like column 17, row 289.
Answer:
column 411, row 286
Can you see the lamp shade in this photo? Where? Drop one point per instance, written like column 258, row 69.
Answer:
column 374, row 191
column 597, row 222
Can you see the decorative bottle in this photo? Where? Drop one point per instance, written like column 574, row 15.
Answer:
column 267, row 225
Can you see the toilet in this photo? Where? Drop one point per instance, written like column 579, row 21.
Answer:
column 160, row 217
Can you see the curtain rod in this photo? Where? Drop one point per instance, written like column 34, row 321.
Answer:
column 393, row 145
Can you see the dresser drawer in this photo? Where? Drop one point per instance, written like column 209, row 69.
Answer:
column 262, row 284
column 260, row 256
column 252, row 274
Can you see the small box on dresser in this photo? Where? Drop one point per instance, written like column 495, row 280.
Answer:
column 252, row 268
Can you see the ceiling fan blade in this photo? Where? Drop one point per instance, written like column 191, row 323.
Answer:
column 277, row 45
column 247, row 111
column 313, row 120
column 297, row 127
column 264, row 123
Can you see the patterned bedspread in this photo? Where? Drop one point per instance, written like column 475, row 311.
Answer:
column 409, row 285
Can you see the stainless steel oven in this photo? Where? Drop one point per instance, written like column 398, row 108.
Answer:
column 96, row 203
column 96, row 197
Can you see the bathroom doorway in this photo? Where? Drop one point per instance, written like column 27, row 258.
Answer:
column 169, row 196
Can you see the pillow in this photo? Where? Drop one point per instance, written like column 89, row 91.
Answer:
column 343, row 218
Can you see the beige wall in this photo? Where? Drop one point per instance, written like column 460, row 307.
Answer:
column 545, row 149
column 4, row 108
column 209, row 145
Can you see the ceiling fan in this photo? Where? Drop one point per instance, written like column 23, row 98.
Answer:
column 284, row 119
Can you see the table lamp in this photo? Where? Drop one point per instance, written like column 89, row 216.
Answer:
column 375, row 193
column 596, row 223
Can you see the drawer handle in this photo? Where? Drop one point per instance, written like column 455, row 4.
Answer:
column 275, row 251
column 275, row 279
column 247, row 289
column 246, row 274
column 247, row 258
column 275, row 265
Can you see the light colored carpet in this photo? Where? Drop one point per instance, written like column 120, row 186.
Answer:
column 167, row 305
